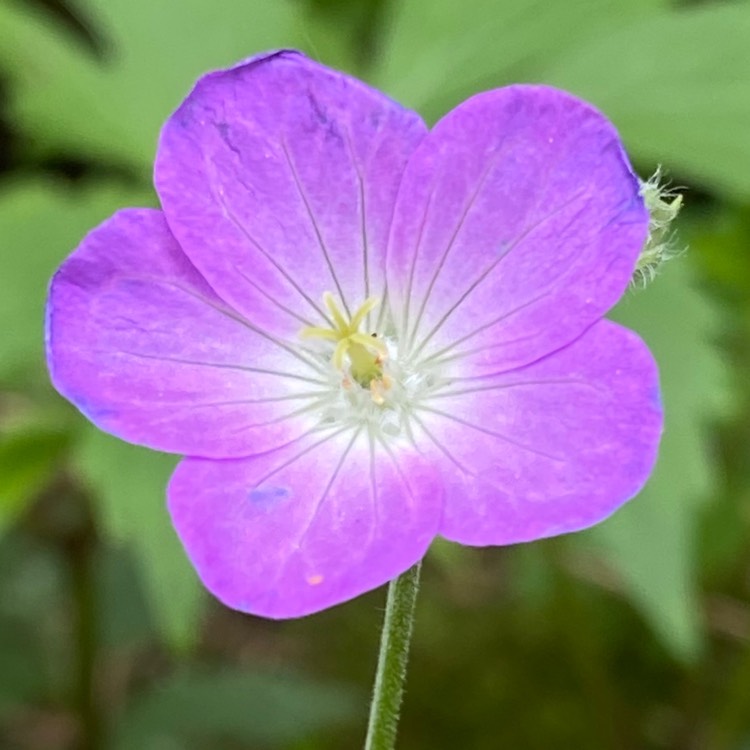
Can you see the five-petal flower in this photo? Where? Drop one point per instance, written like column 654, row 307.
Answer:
column 364, row 334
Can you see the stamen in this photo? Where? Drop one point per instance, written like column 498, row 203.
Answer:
column 377, row 392
column 379, row 387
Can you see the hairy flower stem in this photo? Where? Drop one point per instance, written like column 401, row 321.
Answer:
column 394, row 654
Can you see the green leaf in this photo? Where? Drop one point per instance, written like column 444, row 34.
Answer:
column 35, row 609
column 344, row 35
column 678, row 87
column 114, row 109
column 40, row 224
column 124, row 617
column 22, row 676
column 130, row 484
column 28, row 460
column 676, row 82
column 254, row 709
column 652, row 540
column 439, row 52
column 720, row 241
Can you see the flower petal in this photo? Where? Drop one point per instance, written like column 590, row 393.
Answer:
column 140, row 343
column 278, row 177
column 307, row 526
column 549, row 448
column 518, row 225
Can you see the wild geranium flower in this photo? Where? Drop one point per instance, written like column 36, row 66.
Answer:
column 364, row 333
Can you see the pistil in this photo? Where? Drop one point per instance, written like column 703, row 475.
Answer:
column 365, row 353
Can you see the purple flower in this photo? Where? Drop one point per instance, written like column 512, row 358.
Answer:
column 363, row 333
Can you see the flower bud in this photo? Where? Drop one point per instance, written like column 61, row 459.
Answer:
column 663, row 204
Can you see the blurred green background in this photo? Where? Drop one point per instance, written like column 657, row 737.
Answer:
column 632, row 635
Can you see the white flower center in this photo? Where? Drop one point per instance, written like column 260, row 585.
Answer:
column 369, row 385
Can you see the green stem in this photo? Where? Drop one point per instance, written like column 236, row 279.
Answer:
column 394, row 654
